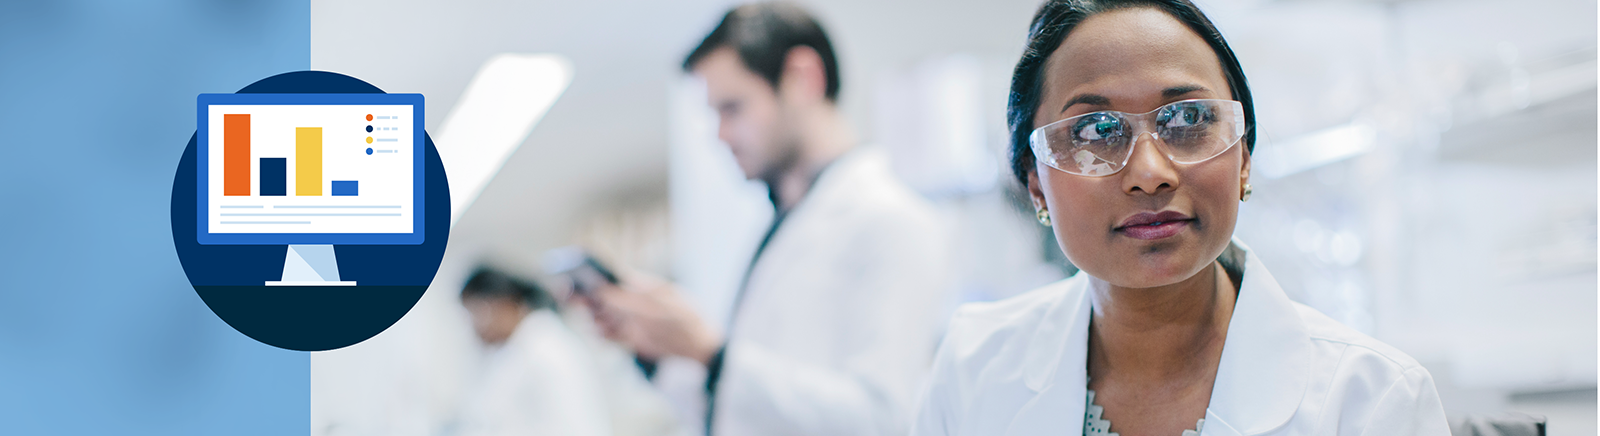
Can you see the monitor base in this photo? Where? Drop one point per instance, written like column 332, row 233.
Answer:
column 310, row 265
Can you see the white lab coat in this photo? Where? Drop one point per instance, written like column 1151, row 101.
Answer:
column 1018, row 367
column 839, row 320
column 542, row 381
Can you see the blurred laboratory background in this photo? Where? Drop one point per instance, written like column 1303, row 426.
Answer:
column 1425, row 173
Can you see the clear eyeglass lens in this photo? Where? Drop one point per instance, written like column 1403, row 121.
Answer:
column 1190, row 129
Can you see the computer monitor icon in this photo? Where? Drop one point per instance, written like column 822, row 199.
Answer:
column 310, row 171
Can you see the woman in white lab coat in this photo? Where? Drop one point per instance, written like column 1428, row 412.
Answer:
column 1139, row 161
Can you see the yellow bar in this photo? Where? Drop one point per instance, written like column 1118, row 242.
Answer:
column 308, row 161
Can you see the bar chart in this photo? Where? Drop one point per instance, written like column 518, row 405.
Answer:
column 310, row 168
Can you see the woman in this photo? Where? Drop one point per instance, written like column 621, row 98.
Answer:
column 1173, row 328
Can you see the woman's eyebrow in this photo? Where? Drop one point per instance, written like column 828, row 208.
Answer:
column 1094, row 99
column 1180, row 90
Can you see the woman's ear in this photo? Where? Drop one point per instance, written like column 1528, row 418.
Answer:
column 1244, row 168
column 1036, row 191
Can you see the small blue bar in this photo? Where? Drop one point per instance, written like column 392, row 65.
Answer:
column 344, row 188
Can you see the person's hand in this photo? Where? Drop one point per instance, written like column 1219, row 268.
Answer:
column 650, row 316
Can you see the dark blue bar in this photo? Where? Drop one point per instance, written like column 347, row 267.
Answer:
column 345, row 188
column 274, row 173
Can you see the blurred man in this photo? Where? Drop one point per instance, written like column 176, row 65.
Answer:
column 834, row 322
column 536, row 377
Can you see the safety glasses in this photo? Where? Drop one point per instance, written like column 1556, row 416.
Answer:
column 1098, row 144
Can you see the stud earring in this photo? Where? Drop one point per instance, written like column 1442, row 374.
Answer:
column 1044, row 217
column 1246, row 195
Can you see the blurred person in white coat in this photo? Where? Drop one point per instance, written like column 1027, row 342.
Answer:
column 1132, row 128
column 835, row 321
column 535, row 377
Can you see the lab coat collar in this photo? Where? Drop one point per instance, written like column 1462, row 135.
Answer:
column 1055, row 367
column 1263, row 374
column 1266, row 359
column 845, row 171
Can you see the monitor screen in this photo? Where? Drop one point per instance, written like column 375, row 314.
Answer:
column 310, row 169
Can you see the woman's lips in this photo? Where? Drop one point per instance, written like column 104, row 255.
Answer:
column 1154, row 231
column 1150, row 226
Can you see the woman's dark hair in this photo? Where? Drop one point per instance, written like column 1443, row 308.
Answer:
column 1056, row 19
column 488, row 282
column 763, row 34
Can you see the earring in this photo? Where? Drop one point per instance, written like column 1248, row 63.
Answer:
column 1044, row 217
column 1246, row 195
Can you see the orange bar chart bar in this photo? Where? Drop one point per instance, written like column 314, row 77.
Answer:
column 236, row 155
column 308, row 161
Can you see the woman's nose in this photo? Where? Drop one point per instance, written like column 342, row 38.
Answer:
column 1148, row 171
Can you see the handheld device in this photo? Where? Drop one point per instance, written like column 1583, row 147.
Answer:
column 586, row 272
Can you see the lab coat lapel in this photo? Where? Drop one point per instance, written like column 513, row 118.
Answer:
column 1055, row 369
column 1266, row 359
column 816, row 214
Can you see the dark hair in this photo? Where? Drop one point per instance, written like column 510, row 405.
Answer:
column 763, row 34
column 1057, row 18
column 488, row 282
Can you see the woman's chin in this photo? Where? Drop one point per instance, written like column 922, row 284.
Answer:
column 1151, row 273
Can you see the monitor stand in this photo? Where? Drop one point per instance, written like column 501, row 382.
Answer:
column 310, row 265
